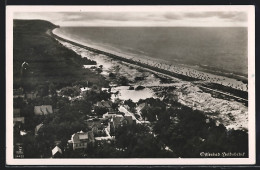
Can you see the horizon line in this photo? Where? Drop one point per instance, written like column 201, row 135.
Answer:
column 162, row 26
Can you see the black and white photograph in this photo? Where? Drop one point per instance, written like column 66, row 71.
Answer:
column 130, row 85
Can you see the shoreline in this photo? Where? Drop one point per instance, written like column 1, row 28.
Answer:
column 137, row 55
column 238, row 89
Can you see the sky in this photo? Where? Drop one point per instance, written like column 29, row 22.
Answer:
column 165, row 18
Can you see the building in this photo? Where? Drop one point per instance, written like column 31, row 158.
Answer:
column 37, row 128
column 31, row 95
column 95, row 125
column 95, row 121
column 84, row 90
column 105, row 104
column 56, row 152
column 43, row 110
column 80, row 140
column 116, row 121
column 109, row 115
column 105, row 89
column 129, row 120
column 17, row 113
column 18, row 120
column 18, row 93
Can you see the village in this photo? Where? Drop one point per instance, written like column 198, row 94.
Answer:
column 105, row 118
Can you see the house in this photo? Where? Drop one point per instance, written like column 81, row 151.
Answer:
column 31, row 95
column 105, row 104
column 81, row 139
column 117, row 120
column 129, row 120
column 94, row 124
column 105, row 89
column 23, row 132
column 109, row 115
column 37, row 128
column 19, row 151
column 56, row 152
column 43, row 110
column 16, row 113
column 18, row 93
column 114, row 123
column 18, row 120
column 85, row 89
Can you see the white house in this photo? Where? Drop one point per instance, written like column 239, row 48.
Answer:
column 81, row 139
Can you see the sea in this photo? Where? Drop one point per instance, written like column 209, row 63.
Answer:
column 220, row 49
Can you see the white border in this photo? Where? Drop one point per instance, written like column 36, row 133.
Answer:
column 250, row 9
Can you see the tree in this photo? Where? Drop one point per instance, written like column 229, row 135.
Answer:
column 112, row 75
column 100, row 110
column 104, row 96
column 150, row 113
column 70, row 91
column 43, row 90
column 131, row 105
column 136, row 141
column 123, row 81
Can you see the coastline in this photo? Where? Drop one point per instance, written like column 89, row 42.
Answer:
column 136, row 54
column 214, row 103
column 221, row 83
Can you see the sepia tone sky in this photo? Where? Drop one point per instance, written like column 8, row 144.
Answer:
column 181, row 19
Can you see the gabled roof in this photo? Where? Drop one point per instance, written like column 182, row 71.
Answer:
column 18, row 119
column 79, row 136
column 107, row 104
column 82, row 137
column 56, row 150
column 43, row 110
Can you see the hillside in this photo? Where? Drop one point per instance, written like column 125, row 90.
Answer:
column 49, row 62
